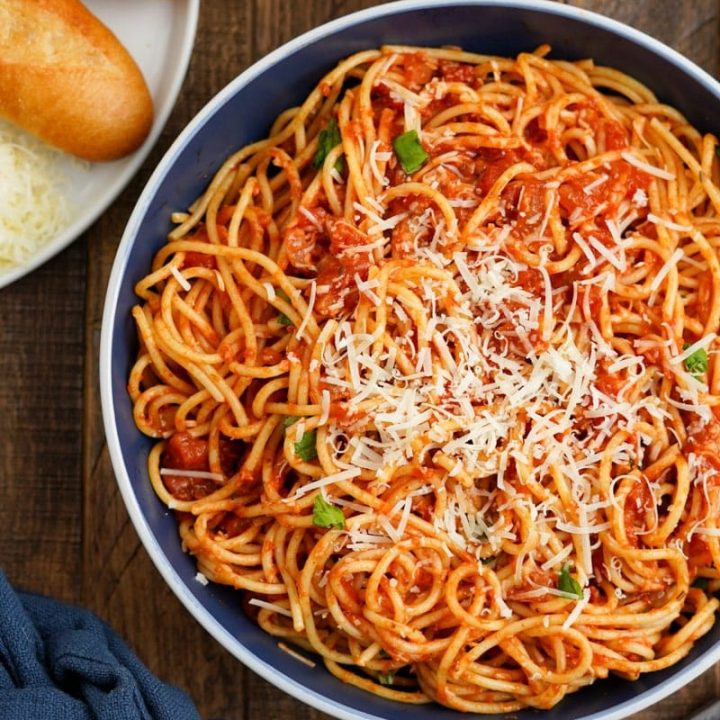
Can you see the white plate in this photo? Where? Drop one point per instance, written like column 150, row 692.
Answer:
column 160, row 36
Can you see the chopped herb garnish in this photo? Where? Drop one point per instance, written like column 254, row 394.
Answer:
column 328, row 139
column 410, row 152
column 305, row 447
column 387, row 678
column 327, row 515
column 289, row 420
column 569, row 584
column 696, row 363
column 283, row 319
column 701, row 582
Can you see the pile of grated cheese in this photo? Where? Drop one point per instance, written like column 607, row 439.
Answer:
column 481, row 395
column 33, row 206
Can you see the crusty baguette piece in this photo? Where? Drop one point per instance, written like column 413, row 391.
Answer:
column 67, row 79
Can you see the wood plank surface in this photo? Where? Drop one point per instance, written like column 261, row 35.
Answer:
column 66, row 531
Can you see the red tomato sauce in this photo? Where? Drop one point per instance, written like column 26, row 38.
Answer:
column 705, row 441
column 452, row 71
column 639, row 499
column 417, row 70
column 198, row 259
column 184, row 452
column 337, row 270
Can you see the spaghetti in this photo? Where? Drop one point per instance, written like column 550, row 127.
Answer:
column 433, row 372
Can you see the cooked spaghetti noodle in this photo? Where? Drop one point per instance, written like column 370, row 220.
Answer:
column 433, row 372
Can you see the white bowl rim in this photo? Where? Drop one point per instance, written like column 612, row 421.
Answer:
column 152, row 546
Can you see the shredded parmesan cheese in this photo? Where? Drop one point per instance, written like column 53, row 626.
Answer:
column 577, row 610
column 279, row 609
column 182, row 282
column 33, row 206
column 199, row 474
column 669, row 264
column 646, row 167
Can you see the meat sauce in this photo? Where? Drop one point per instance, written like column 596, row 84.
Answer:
column 705, row 441
column 637, row 503
column 339, row 270
column 200, row 259
column 332, row 248
column 327, row 248
column 185, row 452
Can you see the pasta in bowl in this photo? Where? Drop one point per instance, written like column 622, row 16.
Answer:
column 431, row 373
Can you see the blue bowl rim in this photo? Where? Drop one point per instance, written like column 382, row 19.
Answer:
column 172, row 578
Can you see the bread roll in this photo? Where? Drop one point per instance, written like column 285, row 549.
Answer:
column 67, row 79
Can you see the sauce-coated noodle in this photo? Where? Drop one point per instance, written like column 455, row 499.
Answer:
column 433, row 372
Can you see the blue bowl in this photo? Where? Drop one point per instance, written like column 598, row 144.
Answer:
column 241, row 113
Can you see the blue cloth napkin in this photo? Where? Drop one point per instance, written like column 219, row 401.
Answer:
column 59, row 662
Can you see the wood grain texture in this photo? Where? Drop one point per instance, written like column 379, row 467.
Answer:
column 66, row 530
column 41, row 396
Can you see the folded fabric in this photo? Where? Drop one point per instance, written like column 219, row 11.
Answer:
column 59, row 662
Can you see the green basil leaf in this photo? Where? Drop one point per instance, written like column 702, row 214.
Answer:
column 410, row 152
column 305, row 447
column 387, row 678
column 569, row 584
column 327, row 140
column 289, row 420
column 283, row 319
column 326, row 514
column 697, row 362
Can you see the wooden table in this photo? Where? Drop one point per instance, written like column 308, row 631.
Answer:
column 65, row 531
